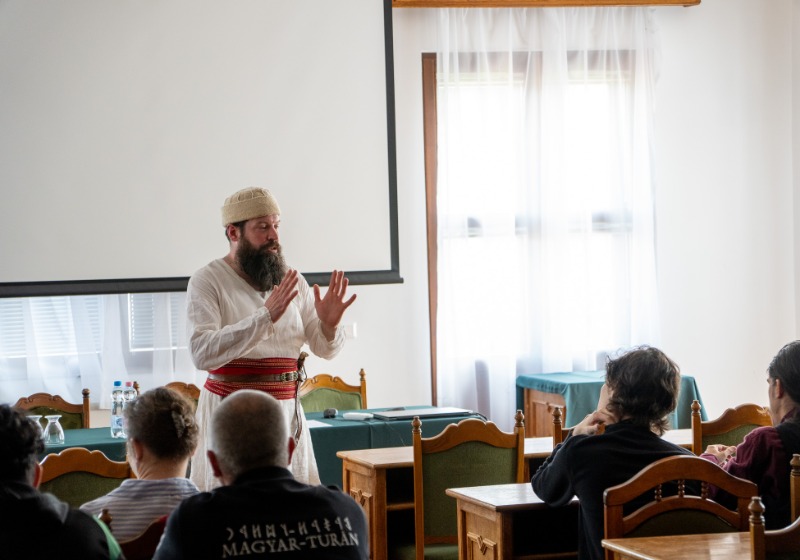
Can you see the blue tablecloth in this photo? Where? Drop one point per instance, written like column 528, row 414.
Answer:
column 338, row 434
column 581, row 391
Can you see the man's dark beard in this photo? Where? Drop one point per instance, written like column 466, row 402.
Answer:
column 265, row 268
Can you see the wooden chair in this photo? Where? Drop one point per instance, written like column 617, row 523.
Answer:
column 188, row 390
column 779, row 544
column 677, row 514
column 143, row 546
column 559, row 432
column 794, row 485
column 729, row 429
column 77, row 475
column 72, row 415
column 325, row 391
column 471, row 453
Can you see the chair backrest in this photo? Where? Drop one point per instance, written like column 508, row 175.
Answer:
column 561, row 433
column 73, row 416
column 471, row 453
column 143, row 546
column 681, row 513
column 780, row 544
column 729, row 429
column 794, row 486
column 326, row 391
column 188, row 390
column 77, row 475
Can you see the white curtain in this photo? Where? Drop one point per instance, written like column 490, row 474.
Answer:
column 61, row 345
column 545, row 195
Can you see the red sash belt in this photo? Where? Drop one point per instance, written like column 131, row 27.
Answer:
column 280, row 373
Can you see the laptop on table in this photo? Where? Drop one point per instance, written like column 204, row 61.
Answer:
column 424, row 412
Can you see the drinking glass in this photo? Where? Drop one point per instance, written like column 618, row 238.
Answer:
column 53, row 432
column 37, row 418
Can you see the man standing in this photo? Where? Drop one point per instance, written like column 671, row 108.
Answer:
column 763, row 457
column 249, row 315
column 261, row 511
column 38, row 525
column 641, row 389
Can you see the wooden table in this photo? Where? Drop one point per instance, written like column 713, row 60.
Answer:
column 487, row 516
column 382, row 481
column 718, row 546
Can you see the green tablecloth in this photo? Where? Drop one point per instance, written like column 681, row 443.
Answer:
column 581, row 391
column 337, row 434
column 343, row 435
column 91, row 438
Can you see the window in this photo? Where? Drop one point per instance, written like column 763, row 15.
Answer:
column 539, row 192
column 47, row 341
column 144, row 321
column 48, row 324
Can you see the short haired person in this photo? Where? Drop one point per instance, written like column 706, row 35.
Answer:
column 35, row 524
column 261, row 510
column 162, row 436
column 763, row 457
column 640, row 391
column 249, row 315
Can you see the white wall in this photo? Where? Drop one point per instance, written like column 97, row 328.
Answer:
column 796, row 150
column 725, row 205
column 724, row 195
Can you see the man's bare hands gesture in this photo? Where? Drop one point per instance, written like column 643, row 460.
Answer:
column 282, row 295
column 331, row 307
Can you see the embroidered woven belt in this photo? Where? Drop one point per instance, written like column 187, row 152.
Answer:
column 276, row 376
column 257, row 377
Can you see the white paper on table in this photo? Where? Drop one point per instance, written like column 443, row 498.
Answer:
column 317, row 424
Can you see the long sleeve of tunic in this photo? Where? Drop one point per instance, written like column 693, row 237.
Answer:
column 227, row 320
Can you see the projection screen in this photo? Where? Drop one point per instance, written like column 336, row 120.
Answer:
column 125, row 124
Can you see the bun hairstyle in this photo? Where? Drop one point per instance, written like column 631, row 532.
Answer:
column 163, row 421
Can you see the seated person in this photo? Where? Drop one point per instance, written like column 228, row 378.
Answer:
column 35, row 524
column 162, row 436
column 763, row 457
column 261, row 510
column 640, row 391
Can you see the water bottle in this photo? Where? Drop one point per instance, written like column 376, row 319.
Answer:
column 129, row 393
column 117, row 403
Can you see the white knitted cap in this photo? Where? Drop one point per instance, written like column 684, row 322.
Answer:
column 252, row 202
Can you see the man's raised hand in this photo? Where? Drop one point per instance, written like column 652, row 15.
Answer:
column 331, row 308
column 282, row 295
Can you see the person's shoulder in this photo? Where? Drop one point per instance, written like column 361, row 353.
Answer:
column 679, row 450
column 576, row 445
column 762, row 432
column 202, row 498
column 89, row 536
column 208, row 278
column 95, row 506
column 764, row 436
column 213, row 268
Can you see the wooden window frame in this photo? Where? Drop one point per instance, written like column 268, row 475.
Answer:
column 536, row 3
column 430, row 134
